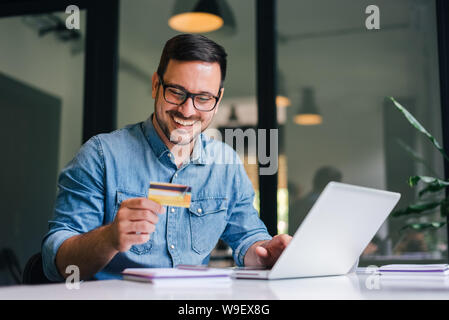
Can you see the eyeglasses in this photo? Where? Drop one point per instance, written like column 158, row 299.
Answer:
column 178, row 96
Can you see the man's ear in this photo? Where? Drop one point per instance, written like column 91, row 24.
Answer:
column 219, row 100
column 154, row 85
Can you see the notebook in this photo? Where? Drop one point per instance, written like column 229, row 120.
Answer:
column 415, row 269
column 178, row 273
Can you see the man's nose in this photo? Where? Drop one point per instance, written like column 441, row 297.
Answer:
column 187, row 108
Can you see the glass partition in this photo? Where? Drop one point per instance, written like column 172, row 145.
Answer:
column 337, row 72
column 41, row 105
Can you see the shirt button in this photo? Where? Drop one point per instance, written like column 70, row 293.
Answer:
column 172, row 246
column 172, row 209
column 169, row 155
column 199, row 210
column 176, row 175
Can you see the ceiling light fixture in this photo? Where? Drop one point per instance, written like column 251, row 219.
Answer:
column 233, row 119
column 204, row 16
column 308, row 114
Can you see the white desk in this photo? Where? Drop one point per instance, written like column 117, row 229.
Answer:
column 353, row 286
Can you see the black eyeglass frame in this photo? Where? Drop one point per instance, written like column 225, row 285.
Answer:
column 188, row 95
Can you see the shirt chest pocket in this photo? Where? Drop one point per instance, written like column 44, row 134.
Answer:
column 207, row 223
column 124, row 195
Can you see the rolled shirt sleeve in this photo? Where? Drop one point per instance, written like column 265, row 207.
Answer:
column 79, row 205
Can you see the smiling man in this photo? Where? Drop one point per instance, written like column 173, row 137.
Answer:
column 103, row 221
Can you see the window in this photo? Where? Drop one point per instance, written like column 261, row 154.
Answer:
column 333, row 64
column 41, row 105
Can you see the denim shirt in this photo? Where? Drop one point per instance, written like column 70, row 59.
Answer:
column 110, row 168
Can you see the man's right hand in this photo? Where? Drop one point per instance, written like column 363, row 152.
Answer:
column 136, row 219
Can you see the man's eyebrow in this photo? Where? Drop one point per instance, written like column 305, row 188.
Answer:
column 184, row 89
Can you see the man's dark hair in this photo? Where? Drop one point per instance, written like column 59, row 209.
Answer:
column 192, row 47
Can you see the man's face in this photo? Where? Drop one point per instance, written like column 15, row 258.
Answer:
column 182, row 124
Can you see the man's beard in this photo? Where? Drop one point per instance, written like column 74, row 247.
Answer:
column 176, row 136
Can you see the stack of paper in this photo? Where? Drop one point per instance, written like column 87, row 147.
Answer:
column 415, row 269
column 178, row 276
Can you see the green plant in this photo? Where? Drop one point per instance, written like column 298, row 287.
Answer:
column 429, row 185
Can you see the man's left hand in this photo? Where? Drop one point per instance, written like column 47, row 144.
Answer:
column 266, row 253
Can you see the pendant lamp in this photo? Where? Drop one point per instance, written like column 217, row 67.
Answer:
column 197, row 16
column 308, row 114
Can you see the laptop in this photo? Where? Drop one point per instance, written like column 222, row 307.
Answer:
column 333, row 235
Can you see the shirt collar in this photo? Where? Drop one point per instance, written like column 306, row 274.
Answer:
column 153, row 138
column 198, row 155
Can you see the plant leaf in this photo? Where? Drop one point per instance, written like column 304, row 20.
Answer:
column 416, row 208
column 413, row 181
column 433, row 187
column 444, row 209
column 424, row 226
column 412, row 120
column 433, row 184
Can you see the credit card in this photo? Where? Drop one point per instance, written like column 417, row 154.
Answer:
column 170, row 194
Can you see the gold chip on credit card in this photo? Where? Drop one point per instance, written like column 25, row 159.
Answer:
column 169, row 194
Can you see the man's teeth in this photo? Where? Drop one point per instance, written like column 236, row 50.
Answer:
column 183, row 122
